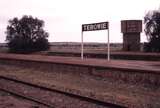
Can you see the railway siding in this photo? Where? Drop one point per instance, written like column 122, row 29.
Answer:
column 131, row 75
column 10, row 100
column 50, row 97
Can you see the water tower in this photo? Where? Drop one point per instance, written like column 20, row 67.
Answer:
column 131, row 30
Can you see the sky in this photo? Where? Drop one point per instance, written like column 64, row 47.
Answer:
column 64, row 18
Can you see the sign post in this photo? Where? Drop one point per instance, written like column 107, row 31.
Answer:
column 94, row 27
column 82, row 45
column 108, row 45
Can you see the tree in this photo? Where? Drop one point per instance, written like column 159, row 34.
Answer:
column 152, row 31
column 26, row 35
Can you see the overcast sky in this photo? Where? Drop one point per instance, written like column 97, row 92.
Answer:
column 63, row 18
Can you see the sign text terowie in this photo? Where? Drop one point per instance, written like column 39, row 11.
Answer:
column 95, row 26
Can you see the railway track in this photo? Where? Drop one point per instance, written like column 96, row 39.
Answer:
column 50, row 97
column 12, row 100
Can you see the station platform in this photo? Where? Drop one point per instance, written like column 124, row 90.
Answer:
column 149, row 66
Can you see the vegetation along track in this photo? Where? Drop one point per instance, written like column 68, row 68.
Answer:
column 50, row 97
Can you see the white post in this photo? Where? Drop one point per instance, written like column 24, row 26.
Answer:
column 108, row 44
column 82, row 45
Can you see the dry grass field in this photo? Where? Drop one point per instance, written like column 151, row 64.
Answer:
column 88, row 47
column 76, row 47
column 93, row 50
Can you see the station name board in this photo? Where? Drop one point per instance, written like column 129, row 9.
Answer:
column 95, row 26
